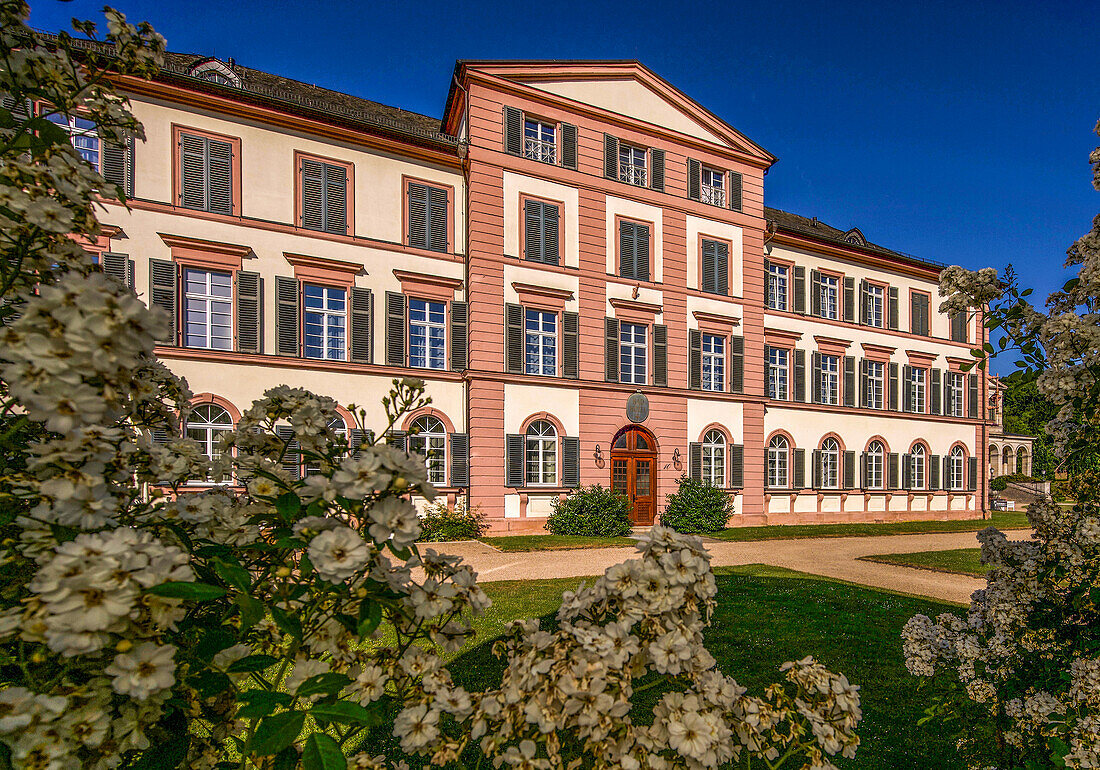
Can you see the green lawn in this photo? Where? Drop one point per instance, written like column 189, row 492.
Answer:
column 964, row 561
column 515, row 543
column 1000, row 519
column 765, row 616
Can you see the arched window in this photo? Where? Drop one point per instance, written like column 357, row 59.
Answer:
column 778, row 460
column 1006, row 461
column 874, row 471
column 205, row 424
column 956, row 466
column 215, row 71
column 428, row 437
column 993, row 457
column 714, row 458
column 829, row 457
column 1021, row 461
column 542, row 453
column 918, row 462
column 340, row 428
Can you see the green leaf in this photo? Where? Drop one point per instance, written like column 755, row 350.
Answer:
column 275, row 733
column 345, row 712
column 210, row 683
column 252, row 663
column 328, row 684
column 195, row 592
column 260, row 703
column 288, row 505
column 370, row 615
column 234, row 574
column 252, row 610
column 213, row 641
column 321, row 752
column 287, row 623
column 287, row 759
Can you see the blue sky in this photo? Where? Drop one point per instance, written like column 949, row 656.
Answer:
column 958, row 132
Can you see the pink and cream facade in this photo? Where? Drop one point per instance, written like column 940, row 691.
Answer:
column 577, row 261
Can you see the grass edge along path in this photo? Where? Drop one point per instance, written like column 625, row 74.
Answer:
column 959, row 561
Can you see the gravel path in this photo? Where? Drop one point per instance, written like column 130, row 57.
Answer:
column 830, row 557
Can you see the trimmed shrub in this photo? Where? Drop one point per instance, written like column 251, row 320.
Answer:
column 593, row 511
column 441, row 524
column 697, row 507
column 999, row 484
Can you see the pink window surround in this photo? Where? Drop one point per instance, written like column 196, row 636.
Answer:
column 543, row 416
column 427, row 286
column 652, row 247
column 956, row 364
column 428, row 412
column 633, row 311
column 177, row 180
column 211, row 255
column 781, row 338
column 542, row 297
column 328, row 272
column 713, row 323
column 831, row 346
column 102, row 241
column 877, row 352
column 449, row 188
column 921, row 360
column 523, row 198
column 348, row 166
column 210, row 398
column 729, row 260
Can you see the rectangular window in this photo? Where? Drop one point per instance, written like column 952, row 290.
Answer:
column 82, row 133
column 633, row 250
column 874, row 470
column 427, row 334
column 830, row 380
column 324, row 196
column 632, row 353
column 830, row 468
column 777, row 286
column 540, row 232
column 918, row 379
column 713, row 190
column 540, row 342
column 828, row 293
column 872, row 305
column 427, row 214
column 538, row 141
column 632, row 167
column 875, row 376
column 207, row 309
column 325, row 322
column 714, row 362
column 206, row 173
column 777, row 373
column 918, row 313
column 541, row 455
column 916, row 470
column 956, row 397
column 432, row 447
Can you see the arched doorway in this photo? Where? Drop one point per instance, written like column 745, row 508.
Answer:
column 634, row 471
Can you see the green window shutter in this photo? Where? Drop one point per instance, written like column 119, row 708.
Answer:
column 570, row 461
column 395, row 328
column 610, row 156
column 892, row 307
column 460, row 459
column 849, row 470
column 799, row 375
column 864, row 383
column 907, row 471
column 118, row 164
column 815, row 469
column 815, row 293
column 118, row 266
column 737, row 364
column 657, row 172
column 934, row 377
column 569, row 146
column 287, row 316
column 193, row 181
column 721, row 268
column 163, row 290
column 708, row 281
column 893, row 467
column 514, row 444
column 550, row 241
column 220, row 176
column 695, row 460
column 513, row 333
column 570, row 344
column 627, row 249
column 513, row 131
column 459, row 320
column 695, row 172
column 863, row 470
column 292, row 457
column 737, row 466
column 948, row 396
column 641, row 252
column 336, row 199
column 972, row 475
column 849, row 381
column 799, row 289
column 695, row 359
column 958, row 327
column 660, row 355
column 313, row 194
column 934, row 472
column 799, row 459
column 918, row 314
column 249, row 312
column 735, row 191
column 972, row 399
column 815, row 378
column 850, row 300
column 362, row 325
column 437, row 219
column 532, row 231
column 398, row 439
column 611, row 349
column 418, row 215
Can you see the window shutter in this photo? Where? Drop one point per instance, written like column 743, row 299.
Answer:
column 657, row 172
column 815, row 470
column 398, row 439
column 695, row 460
column 850, row 300
column 972, row 396
column 907, row 389
column 863, row 470
column 118, row 266
column 918, row 314
column 907, row 471
column 934, row 472
column 849, row 469
column 514, row 459
column 570, row 328
column 815, row 378
column 799, row 289
column 641, row 252
column 799, row 468
column 220, row 176
column 695, row 174
column 892, row 307
column 934, row 376
column 570, row 461
column 695, row 359
column 862, row 302
column 162, row 294
column 513, row 131
column 569, row 146
column 249, row 312
column 737, row 466
column 118, row 164
column 611, row 349
column 958, row 327
column 459, row 320
column 721, row 268
column 460, row 459
column 864, row 383
column 362, row 325
column 708, row 280
column 660, row 355
column 292, row 457
column 849, row 381
column 336, row 199
column 20, row 111
column 313, row 194
column 799, row 375
column 513, row 325
column 418, row 215
column 893, row 467
column 610, row 156
column 737, row 364
column 815, row 293
column 395, row 328
column 550, row 242
column 736, row 184
column 972, row 475
column 947, row 472
column 627, row 249
column 437, row 219
column 288, row 338
column 532, row 231
column 192, row 171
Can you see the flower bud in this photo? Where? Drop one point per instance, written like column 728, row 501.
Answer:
column 282, row 572
column 125, row 645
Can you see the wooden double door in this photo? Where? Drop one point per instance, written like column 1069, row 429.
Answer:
column 634, row 472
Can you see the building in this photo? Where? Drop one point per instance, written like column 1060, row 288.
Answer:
column 1008, row 453
column 577, row 260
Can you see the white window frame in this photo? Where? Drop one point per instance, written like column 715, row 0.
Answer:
column 779, row 453
column 713, row 468
column 830, row 464
column 874, row 305
column 541, row 454
column 829, row 368
column 712, row 186
column 918, row 463
column 713, row 363
column 918, row 385
column 83, row 134
column 427, row 437
column 633, row 353
column 876, row 466
column 875, row 384
column 209, row 304
column 829, row 296
column 779, row 373
column 205, row 424
column 956, row 466
column 430, row 333
column 778, row 286
column 633, row 164
column 540, row 341
column 333, row 322
column 542, row 145
column 958, row 393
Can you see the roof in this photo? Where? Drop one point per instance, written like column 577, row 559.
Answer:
column 851, row 239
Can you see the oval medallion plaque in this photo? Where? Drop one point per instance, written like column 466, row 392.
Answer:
column 637, row 407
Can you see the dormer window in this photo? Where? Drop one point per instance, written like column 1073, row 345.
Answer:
column 538, row 141
column 713, row 189
column 632, row 169
column 214, row 71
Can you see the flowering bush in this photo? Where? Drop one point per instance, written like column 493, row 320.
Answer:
column 1024, row 664
column 697, row 507
column 594, row 511
column 439, row 523
column 269, row 621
